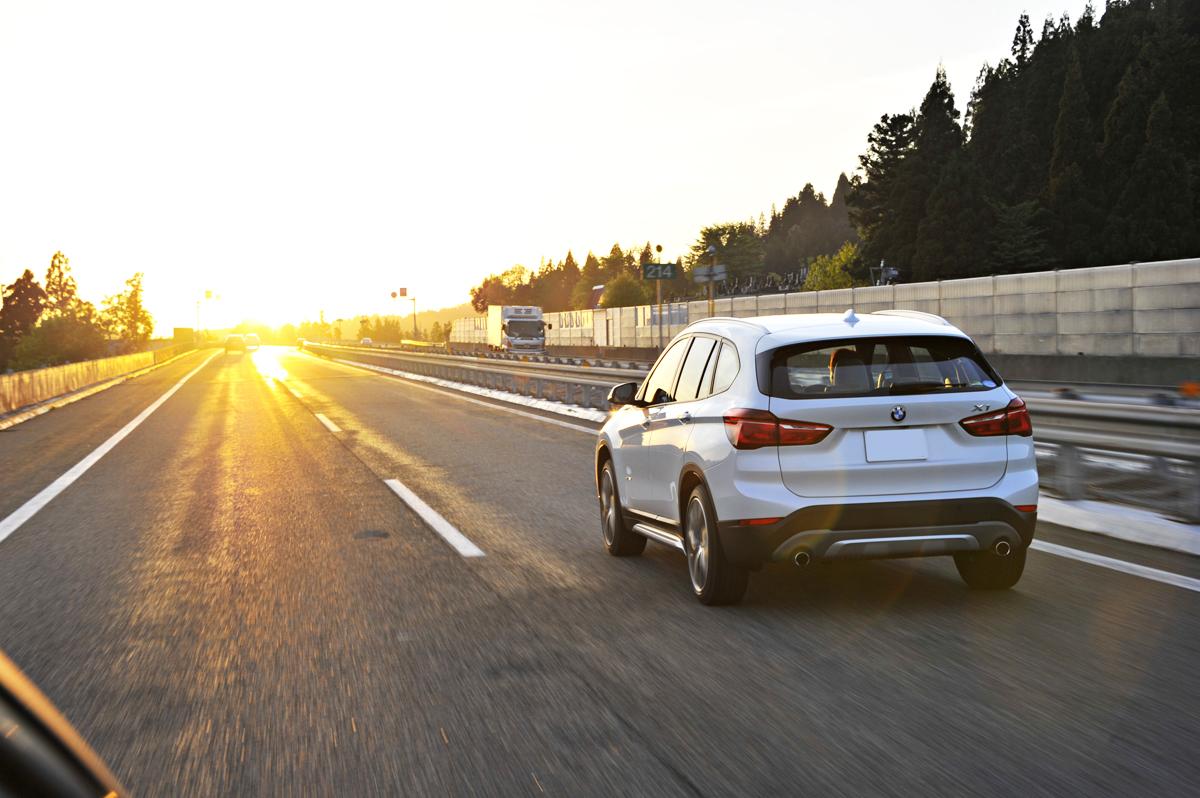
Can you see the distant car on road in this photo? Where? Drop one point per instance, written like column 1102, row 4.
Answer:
column 235, row 343
column 252, row 341
column 366, row 342
column 819, row 437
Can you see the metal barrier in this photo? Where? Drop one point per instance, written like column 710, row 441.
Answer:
column 1137, row 455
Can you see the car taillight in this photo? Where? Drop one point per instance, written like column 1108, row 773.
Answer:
column 754, row 429
column 1012, row 420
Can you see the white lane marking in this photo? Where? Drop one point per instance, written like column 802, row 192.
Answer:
column 48, row 493
column 329, row 425
column 1133, row 569
column 457, row 540
column 293, row 391
column 460, row 397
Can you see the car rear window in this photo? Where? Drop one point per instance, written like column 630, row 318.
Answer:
column 882, row 366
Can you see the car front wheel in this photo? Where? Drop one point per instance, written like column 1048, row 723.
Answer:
column 715, row 580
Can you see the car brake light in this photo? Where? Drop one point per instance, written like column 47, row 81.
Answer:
column 1027, row 508
column 1012, row 420
column 754, row 429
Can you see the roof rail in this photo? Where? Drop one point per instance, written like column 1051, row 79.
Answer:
column 747, row 322
column 919, row 315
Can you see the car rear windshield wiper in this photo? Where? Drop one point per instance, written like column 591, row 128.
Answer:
column 915, row 387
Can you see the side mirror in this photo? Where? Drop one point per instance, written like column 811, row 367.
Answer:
column 623, row 394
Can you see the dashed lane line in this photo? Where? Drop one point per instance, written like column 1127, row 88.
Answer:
column 448, row 532
column 329, row 425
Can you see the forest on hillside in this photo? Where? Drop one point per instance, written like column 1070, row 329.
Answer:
column 1082, row 148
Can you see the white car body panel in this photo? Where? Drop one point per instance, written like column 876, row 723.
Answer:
column 652, row 446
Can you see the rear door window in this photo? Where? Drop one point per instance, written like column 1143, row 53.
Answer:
column 727, row 368
column 691, row 375
column 882, row 366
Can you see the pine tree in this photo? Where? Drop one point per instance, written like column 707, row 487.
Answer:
column 1018, row 239
column 871, row 199
column 1070, row 191
column 952, row 237
column 1153, row 218
column 938, row 141
column 1022, row 44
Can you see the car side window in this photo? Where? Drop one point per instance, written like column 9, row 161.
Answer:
column 663, row 376
column 691, row 385
column 727, row 368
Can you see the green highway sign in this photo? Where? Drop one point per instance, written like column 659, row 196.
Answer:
column 659, row 271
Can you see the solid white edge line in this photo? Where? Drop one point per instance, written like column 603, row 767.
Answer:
column 457, row 540
column 457, row 395
column 329, row 425
column 1113, row 564
column 30, row 508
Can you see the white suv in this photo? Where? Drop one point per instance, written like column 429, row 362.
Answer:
column 816, row 437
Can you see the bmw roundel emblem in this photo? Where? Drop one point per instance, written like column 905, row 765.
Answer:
column 898, row 413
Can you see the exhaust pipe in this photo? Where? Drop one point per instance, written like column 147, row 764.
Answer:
column 1002, row 548
column 802, row 559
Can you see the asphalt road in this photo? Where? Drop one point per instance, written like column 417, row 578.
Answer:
column 232, row 602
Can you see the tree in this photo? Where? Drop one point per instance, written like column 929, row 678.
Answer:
column 1070, row 191
column 59, row 339
column 828, row 272
column 938, row 138
column 125, row 317
column 1153, row 217
column 1017, row 242
column 873, row 192
column 739, row 248
column 62, row 298
column 1022, row 44
column 24, row 300
column 590, row 276
column 623, row 291
column 952, row 238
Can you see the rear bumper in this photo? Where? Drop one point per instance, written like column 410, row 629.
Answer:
column 879, row 530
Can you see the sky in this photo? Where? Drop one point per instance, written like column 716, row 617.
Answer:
column 299, row 157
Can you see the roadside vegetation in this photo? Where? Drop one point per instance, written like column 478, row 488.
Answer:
column 48, row 323
column 1082, row 148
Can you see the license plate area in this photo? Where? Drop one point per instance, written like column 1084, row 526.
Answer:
column 893, row 445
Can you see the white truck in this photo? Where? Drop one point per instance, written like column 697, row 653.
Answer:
column 506, row 328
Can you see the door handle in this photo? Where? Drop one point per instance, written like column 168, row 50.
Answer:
column 646, row 423
column 685, row 417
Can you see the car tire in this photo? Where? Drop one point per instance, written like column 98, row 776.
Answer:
column 619, row 539
column 983, row 570
column 715, row 580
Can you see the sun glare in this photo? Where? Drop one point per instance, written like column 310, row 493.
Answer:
column 266, row 362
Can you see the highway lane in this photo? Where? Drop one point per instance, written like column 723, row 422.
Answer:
column 213, row 607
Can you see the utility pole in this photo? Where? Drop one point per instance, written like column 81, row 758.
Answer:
column 658, row 297
column 712, row 253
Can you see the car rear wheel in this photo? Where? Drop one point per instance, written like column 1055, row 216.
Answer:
column 715, row 580
column 984, row 570
column 619, row 540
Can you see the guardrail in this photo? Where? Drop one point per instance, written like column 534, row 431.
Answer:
column 1129, row 454
column 25, row 388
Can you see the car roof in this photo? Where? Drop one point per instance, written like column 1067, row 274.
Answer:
column 783, row 329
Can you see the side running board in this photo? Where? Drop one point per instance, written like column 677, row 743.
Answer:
column 661, row 535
